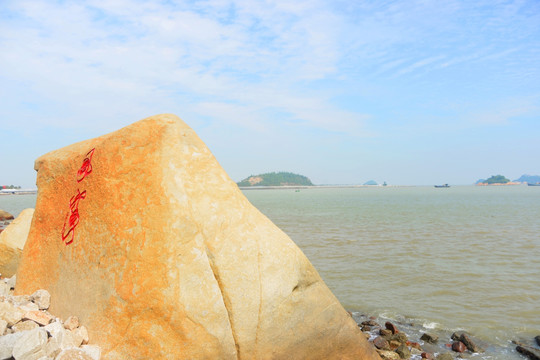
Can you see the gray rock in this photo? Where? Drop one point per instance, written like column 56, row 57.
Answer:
column 432, row 339
column 400, row 337
column 42, row 299
column 537, row 339
column 31, row 345
column 445, row 356
column 7, row 342
column 403, row 351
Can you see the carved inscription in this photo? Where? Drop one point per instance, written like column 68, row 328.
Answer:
column 72, row 217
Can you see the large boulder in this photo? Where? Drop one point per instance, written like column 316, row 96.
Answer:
column 143, row 236
column 12, row 241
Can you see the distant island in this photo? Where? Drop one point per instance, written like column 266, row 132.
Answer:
column 529, row 179
column 502, row 180
column 276, row 179
column 496, row 180
column 371, row 182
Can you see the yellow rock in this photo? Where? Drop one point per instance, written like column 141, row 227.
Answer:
column 143, row 236
column 12, row 241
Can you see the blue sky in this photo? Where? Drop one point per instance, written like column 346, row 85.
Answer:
column 407, row 92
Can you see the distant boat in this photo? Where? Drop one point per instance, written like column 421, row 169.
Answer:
column 442, row 186
column 536, row 184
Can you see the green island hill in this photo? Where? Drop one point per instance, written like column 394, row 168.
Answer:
column 495, row 180
column 276, row 179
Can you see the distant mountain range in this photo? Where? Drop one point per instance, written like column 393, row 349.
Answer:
column 530, row 179
column 276, row 179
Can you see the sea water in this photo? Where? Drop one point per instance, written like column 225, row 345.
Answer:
column 458, row 258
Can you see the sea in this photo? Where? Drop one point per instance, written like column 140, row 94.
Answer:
column 435, row 260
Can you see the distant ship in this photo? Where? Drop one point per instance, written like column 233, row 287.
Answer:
column 536, row 184
column 442, row 186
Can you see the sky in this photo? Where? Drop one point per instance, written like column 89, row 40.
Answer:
column 408, row 92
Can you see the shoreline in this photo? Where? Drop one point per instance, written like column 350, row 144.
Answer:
column 425, row 340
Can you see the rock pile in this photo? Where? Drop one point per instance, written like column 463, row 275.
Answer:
column 29, row 332
column 393, row 344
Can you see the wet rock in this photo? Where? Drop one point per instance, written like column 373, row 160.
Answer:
column 537, row 339
column 370, row 322
column 391, row 327
column 394, row 344
column 469, row 343
column 457, row 335
column 432, row 339
column 458, row 346
column 385, row 333
column 401, row 337
column 366, row 328
column 414, row 345
column 426, row 355
column 388, row 355
column 445, row 356
column 4, row 215
column 381, row 343
column 530, row 352
column 403, row 351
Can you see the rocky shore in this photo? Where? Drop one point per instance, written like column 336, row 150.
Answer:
column 29, row 332
column 404, row 340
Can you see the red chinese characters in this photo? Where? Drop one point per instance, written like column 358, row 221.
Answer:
column 73, row 217
column 86, row 167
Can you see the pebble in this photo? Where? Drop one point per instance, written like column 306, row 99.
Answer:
column 29, row 331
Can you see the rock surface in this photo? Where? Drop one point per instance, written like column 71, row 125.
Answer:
column 12, row 241
column 529, row 351
column 4, row 215
column 142, row 235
